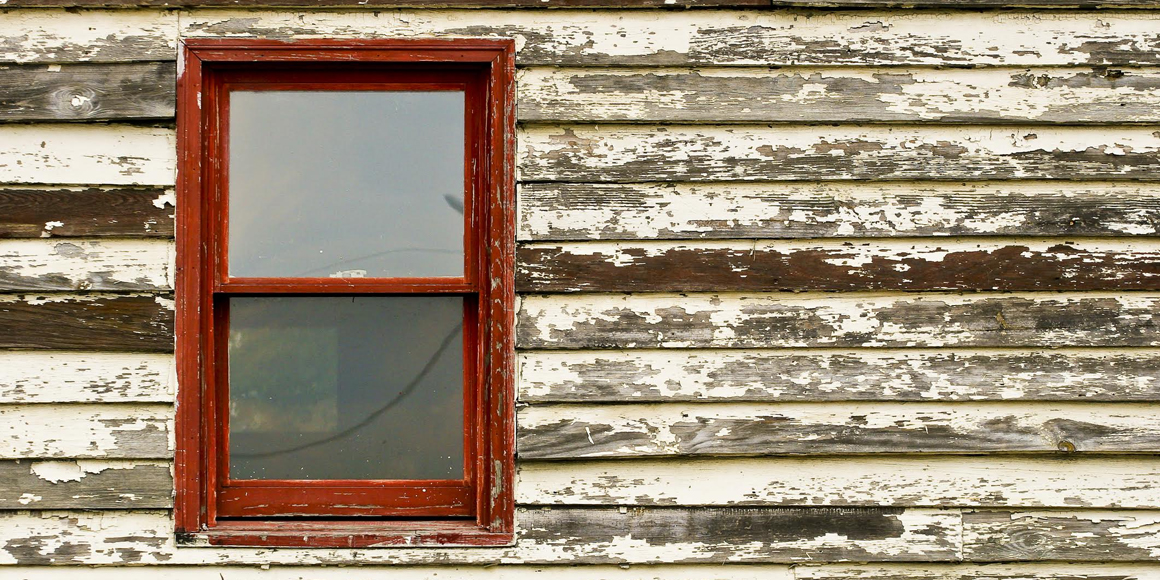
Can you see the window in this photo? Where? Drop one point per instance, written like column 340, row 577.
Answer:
column 345, row 295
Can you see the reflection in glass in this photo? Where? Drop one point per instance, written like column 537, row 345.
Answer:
column 346, row 183
column 346, row 388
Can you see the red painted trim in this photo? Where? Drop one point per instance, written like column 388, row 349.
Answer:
column 485, row 69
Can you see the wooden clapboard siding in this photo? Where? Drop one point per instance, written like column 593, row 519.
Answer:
column 712, row 95
column 87, row 154
column 137, row 431
column 92, row 212
column 85, row 484
column 615, row 211
column 688, row 375
column 38, row 265
column 85, row 377
column 1011, row 265
column 630, row 4
column 1077, row 536
column 1026, row 482
column 573, row 432
column 545, row 536
column 626, row 153
column 96, row 322
column 40, row 92
column 1018, row 571
column 727, row 38
column 57, row 36
column 399, row 572
column 857, row 320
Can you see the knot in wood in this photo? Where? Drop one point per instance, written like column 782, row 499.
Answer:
column 76, row 101
column 1066, row 446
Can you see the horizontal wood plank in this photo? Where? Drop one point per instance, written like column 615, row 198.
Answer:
column 544, row 536
column 1013, row 265
column 58, row 36
column 85, row 431
column 40, row 265
column 85, row 484
column 968, row 571
column 85, row 377
column 606, row 211
column 602, row 376
column 1024, row 482
column 92, row 212
column 712, row 95
column 404, row 572
column 72, row 92
column 1104, row 536
column 90, row 322
column 704, row 429
column 629, row 4
column 630, row 153
column 600, row 321
column 97, row 154
column 711, row 37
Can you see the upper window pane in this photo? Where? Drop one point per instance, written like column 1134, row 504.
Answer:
column 346, row 184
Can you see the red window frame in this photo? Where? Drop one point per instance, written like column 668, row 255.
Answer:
column 478, row 510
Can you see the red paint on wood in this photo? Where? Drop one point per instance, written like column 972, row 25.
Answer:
column 228, row 512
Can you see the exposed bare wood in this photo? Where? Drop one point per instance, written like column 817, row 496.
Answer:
column 780, row 320
column 90, row 322
column 98, row 154
column 56, row 36
column 1034, row 571
column 84, row 377
column 93, row 212
column 32, row 265
column 1014, row 265
column 87, row 91
column 85, row 484
column 545, row 536
column 571, row 432
column 1026, row 482
column 714, row 95
column 591, row 211
column 1074, row 536
column 430, row 4
column 775, row 38
column 85, row 431
column 628, row 153
column 603, row 376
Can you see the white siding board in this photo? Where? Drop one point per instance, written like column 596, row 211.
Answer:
column 87, row 154
column 86, row 265
column 663, row 572
column 136, row 431
column 1061, row 482
column 83, row 377
column 87, row 35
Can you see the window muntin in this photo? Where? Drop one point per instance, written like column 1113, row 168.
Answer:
column 370, row 336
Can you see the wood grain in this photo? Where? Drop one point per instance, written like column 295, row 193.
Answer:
column 902, row 481
column 1076, row 536
column 779, row 320
column 1015, row 265
column 730, row 95
column 631, row 153
column 605, row 211
column 85, row 377
column 85, row 484
column 92, row 212
column 571, row 432
column 74, row 92
column 545, row 536
column 1017, row 571
column 604, row 376
column 40, row 265
column 768, row 38
column 134, row 323
column 85, row 431
column 61, row 36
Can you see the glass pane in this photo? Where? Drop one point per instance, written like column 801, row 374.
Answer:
column 346, row 184
column 346, row 388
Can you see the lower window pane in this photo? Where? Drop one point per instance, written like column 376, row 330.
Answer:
column 346, row 388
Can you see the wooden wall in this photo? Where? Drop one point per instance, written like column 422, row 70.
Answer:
column 805, row 294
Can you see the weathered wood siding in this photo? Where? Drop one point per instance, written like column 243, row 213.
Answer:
column 805, row 294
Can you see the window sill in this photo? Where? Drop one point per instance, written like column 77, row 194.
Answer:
column 279, row 534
